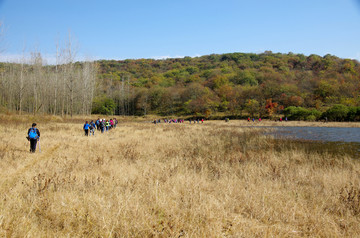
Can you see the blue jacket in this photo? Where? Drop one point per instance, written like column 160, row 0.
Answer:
column 36, row 130
column 86, row 126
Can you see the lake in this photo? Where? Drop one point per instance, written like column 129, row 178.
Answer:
column 334, row 134
column 340, row 140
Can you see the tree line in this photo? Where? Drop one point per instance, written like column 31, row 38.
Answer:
column 59, row 90
column 234, row 84
column 31, row 86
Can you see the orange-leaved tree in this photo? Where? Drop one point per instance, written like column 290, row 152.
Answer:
column 270, row 107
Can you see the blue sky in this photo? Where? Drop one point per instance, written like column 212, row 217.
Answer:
column 119, row 29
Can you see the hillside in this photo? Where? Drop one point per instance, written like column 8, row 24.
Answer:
column 236, row 83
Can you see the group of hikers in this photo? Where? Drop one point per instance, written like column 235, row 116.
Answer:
column 253, row 120
column 278, row 119
column 156, row 121
column 101, row 125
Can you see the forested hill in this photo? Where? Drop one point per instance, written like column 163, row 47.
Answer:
column 235, row 84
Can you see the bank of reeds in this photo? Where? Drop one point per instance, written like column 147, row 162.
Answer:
column 172, row 180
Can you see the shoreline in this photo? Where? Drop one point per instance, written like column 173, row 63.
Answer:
column 26, row 119
column 267, row 123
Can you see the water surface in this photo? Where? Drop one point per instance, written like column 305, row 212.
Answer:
column 334, row 134
column 334, row 140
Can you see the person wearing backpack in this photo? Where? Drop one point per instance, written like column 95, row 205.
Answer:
column 98, row 124
column 92, row 128
column 107, row 125
column 102, row 125
column 86, row 128
column 33, row 137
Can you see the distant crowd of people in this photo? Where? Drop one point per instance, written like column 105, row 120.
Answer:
column 280, row 119
column 156, row 121
column 198, row 120
column 101, row 125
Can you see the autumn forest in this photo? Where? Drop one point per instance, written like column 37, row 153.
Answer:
column 234, row 85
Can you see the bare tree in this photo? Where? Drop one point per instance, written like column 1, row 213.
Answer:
column 56, row 76
column 21, row 83
column 68, row 76
column 89, row 77
column 65, row 88
column 37, row 64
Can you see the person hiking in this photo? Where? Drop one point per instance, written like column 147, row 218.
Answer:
column 92, row 127
column 86, row 128
column 102, row 125
column 107, row 125
column 98, row 124
column 33, row 137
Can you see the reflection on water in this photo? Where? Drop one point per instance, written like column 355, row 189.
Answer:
column 334, row 140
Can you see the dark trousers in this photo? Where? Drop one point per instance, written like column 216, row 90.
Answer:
column 33, row 145
column 86, row 132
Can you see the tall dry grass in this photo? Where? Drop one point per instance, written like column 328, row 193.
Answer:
column 172, row 180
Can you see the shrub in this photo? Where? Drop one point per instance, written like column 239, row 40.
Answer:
column 300, row 113
column 337, row 112
column 103, row 105
column 353, row 114
column 311, row 118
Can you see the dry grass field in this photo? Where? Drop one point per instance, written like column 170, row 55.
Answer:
column 171, row 180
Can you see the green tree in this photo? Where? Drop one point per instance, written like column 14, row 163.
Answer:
column 246, row 78
column 200, row 100
column 156, row 96
column 300, row 113
column 252, row 106
column 337, row 113
column 103, row 105
column 353, row 114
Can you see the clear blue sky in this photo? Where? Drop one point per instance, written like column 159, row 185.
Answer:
column 115, row 29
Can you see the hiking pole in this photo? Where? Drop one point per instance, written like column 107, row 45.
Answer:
column 39, row 145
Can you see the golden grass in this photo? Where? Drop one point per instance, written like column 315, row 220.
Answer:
column 171, row 180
